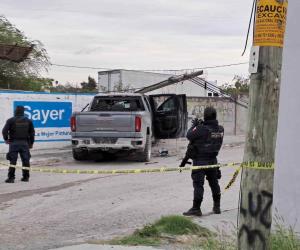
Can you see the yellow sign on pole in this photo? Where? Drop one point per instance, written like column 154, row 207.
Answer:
column 270, row 23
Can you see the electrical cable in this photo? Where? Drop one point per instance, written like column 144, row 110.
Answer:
column 78, row 67
column 219, row 90
column 154, row 70
column 249, row 26
column 201, row 84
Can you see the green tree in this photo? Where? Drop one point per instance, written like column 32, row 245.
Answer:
column 29, row 83
column 90, row 85
column 67, row 88
column 24, row 75
column 240, row 86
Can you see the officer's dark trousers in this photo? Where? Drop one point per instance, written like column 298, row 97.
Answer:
column 198, row 177
column 14, row 150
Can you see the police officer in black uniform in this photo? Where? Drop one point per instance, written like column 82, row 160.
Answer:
column 19, row 133
column 205, row 139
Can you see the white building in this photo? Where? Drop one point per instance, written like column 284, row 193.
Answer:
column 120, row 79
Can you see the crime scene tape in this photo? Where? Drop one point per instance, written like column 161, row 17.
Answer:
column 258, row 165
column 120, row 171
column 252, row 165
column 233, row 178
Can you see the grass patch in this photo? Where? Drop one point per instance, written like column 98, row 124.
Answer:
column 169, row 229
column 137, row 240
column 284, row 239
column 165, row 228
column 179, row 225
column 281, row 239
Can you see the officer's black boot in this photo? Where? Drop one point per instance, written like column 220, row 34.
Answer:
column 195, row 210
column 11, row 175
column 217, row 201
column 25, row 177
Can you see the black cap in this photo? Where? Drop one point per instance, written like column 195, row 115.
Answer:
column 19, row 111
column 210, row 113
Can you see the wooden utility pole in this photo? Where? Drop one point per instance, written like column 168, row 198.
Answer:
column 256, row 195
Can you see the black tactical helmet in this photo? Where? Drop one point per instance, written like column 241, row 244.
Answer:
column 210, row 113
column 19, row 111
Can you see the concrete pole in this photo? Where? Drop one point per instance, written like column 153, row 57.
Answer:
column 256, row 195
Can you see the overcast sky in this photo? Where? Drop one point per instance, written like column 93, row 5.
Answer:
column 135, row 34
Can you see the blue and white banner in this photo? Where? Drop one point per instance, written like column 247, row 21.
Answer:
column 47, row 114
column 50, row 113
column 51, row 120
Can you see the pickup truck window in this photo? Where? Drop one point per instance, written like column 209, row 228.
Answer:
column 117, row 103
column 164, row 103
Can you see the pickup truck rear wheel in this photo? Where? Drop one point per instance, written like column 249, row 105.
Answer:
column 146, row 154
column 79, row 155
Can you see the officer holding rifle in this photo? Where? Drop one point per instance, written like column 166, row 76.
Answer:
column 205, row 141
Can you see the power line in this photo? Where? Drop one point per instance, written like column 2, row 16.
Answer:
column 156, row 70
column 221, row 66
column 215, row 89
column 77, row 67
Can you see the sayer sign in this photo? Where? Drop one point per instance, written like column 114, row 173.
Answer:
column 47, row 114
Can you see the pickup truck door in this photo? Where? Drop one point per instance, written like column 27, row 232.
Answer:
column 170, row 115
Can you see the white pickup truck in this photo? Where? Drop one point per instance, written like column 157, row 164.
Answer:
column 127, row 122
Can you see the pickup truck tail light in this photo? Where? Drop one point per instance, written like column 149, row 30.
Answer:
column 138, row 124
column 73, row 123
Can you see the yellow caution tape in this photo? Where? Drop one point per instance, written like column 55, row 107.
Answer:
column 233, row 178
column 252, row 165
column 258, row 165
column 120, row 171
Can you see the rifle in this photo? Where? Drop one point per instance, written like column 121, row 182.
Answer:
column 188, row 155
column 185, row 161
column 190, row 148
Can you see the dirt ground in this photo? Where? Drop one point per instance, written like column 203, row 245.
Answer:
column 55, row 210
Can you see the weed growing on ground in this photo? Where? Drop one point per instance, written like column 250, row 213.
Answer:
column 168, row 229
column 283, row 238
column 137, row 240
column 179, row 225
column 154, row 234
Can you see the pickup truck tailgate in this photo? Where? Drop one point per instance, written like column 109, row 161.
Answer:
column 106, row 122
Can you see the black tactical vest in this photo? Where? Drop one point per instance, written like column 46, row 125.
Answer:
column 208, row 147
column 20, row 128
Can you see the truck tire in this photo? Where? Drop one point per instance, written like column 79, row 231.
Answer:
column 79, row 155
column 146, row 153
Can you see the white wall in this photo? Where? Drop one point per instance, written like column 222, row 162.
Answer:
column 50, row 112
column 287, row 173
